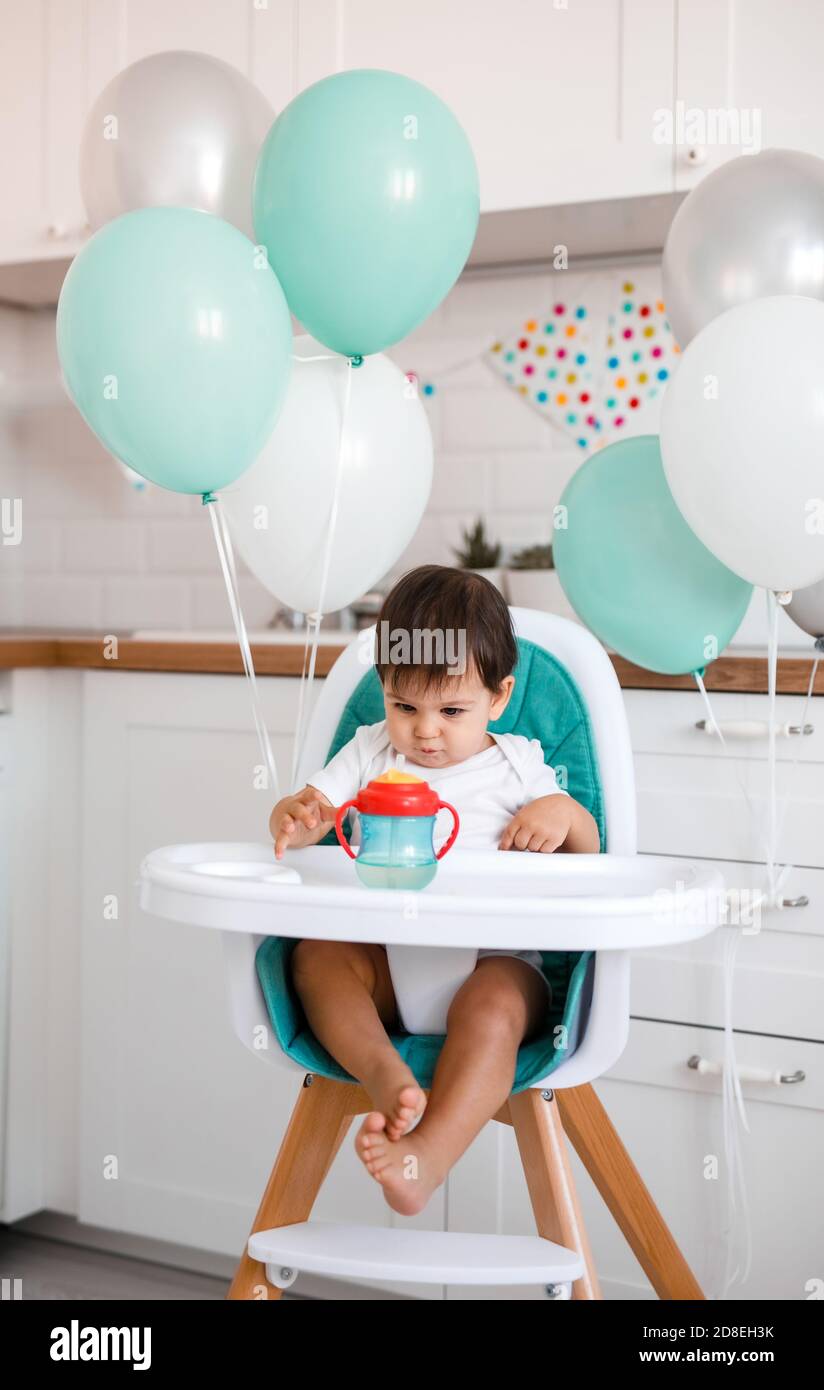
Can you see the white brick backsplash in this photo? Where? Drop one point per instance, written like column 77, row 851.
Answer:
column 100, row 551
column 61, row 600
column 11, row 600
column 106, row 546
column 144, row 601
column 210, row 603
column 527, row 482
column 492, row 418
column 459, row 482
column 427, row 547
column 39, row 548
column 182, row 547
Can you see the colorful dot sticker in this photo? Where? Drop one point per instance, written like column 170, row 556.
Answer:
column 610, row 361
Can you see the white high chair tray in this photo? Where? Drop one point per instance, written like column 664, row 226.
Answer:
column 480, row 898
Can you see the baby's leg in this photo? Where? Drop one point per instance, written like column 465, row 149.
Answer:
column 503, row 1002
column 346, row 991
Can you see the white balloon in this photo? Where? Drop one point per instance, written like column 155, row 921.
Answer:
column 742, row 439
column 174, row 129
column 279, row 510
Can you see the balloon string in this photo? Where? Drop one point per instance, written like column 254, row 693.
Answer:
column 732, row 1096
column 785, row 801
column 313, row 620
column 227, row 564
column 755, row 820
column 772, row 626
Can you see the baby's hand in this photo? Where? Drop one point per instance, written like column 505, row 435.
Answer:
column 542, row 825
column 287, row 818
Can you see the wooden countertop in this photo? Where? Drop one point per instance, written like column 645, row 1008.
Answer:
column 93, row 650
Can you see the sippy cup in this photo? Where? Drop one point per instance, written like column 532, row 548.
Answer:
column 397, row 814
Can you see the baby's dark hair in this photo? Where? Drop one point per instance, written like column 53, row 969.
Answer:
column 467, row 611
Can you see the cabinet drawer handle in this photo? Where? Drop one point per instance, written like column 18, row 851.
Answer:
column 705, row 1067
column 803, row 901
column 753, row 728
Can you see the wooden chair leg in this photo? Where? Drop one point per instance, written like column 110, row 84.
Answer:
column 552, row 1191
column 612, row 1170
column 318, row 1125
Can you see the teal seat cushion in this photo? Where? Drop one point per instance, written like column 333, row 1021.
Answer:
column 545, row 704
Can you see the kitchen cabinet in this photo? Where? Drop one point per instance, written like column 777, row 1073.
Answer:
column 557, row 101
column 131, row 1105
column 752, row 69
column 169, row 1098
column 691, row 796
column 56, row 56
column 563, row 103
column 669, row 1119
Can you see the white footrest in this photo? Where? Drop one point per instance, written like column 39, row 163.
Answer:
column 426, row 1257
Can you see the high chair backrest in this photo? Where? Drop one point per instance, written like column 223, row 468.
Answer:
column 598, row 718
column 605, row 1010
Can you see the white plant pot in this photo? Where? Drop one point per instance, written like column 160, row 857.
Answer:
column 539, row 589
column 496, row 577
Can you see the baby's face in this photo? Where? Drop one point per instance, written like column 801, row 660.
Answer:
column 436, row 728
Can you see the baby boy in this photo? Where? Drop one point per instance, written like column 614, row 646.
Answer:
column 508, row 799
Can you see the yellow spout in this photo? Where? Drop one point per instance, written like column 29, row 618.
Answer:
column 394, row 774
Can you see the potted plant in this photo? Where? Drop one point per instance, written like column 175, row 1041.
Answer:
column 480, row 554
column 533, row 582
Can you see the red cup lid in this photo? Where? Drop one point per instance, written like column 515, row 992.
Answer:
column 396, row 798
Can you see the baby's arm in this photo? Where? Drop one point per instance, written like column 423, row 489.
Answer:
column 555, row 822
column 300, row 820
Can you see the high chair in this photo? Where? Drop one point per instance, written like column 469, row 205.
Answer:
column 584, row 912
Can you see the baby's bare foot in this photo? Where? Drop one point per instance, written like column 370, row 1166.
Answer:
column 396, row 1095
column 406, row 1168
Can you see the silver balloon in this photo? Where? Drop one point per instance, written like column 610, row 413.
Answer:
column 806, row 608
column 178, row 128
column 752, row 228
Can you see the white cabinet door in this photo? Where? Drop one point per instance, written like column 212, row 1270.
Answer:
column 559, row 101
column 170, row 1101
column 669, row 1119
column 749, row 78
column 56, row 56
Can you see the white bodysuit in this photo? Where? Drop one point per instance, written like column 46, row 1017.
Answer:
column 487, row 790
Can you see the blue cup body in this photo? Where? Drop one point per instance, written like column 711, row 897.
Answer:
column 396, row 852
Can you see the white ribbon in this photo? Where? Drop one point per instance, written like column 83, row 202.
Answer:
column 227, row 564
column 732, row 1099
column 314, row 620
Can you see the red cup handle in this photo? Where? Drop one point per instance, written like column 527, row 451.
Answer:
column 339, row 826
column 445, row 806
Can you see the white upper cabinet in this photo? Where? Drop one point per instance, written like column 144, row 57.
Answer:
column 749, row 78
column 56, row 56
column 558, row 99
column 564, row 101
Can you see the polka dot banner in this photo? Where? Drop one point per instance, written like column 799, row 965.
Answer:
column 551, row 361
column 592, row 372
column 639, row 356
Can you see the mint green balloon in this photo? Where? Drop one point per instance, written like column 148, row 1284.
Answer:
column 175, row 341
column 366, row 197
column 634, row 571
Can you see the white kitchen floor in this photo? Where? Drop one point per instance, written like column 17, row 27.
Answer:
column 55, row 1257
